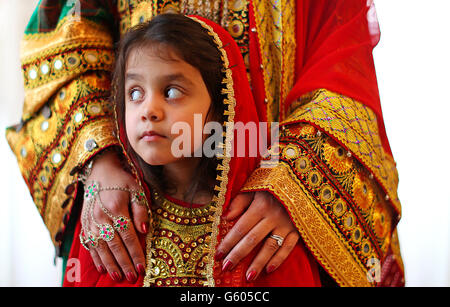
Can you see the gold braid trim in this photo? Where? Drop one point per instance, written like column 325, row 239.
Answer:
column 329, row 249
column 50, row 60
column 224, row 167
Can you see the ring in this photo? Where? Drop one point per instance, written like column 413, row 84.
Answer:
column 279, row 239
column 82, row 241
column 120, row 223
column 90, row 242
column 138, row 197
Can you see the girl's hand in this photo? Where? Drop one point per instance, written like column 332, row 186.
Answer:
column 123, row 255
column 265, row 216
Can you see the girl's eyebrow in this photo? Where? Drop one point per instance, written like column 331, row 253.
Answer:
column 165, row 79
column 131, row 76
column 177, row 77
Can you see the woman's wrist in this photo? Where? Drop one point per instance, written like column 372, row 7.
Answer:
column 107, row 156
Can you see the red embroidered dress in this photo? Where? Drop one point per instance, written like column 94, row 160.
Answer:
column 310, row 67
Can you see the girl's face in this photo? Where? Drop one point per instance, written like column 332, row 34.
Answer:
column 158, row 94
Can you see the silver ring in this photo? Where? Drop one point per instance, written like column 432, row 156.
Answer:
column 279, row 239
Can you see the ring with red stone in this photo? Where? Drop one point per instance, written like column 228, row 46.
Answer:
column 138, row 197
column 121, row 223
column 91, row 241
column 106, row 232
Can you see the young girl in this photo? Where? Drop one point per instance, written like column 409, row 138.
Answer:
column 175, row 70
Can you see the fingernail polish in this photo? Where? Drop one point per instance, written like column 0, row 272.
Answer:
column 115, row 276
column 131, row 276
column 101, row 269
column 141, row 269
column 227, row 265
column 251, row 275
column 144, row 227
column 270, row 268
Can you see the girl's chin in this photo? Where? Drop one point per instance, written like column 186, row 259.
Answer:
column 159, row 159
column 156, row 162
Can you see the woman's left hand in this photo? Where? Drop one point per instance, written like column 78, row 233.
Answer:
column 265, row 216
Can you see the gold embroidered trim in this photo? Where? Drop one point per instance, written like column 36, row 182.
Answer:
column 68, row 32
column 50, row 60
column 275, row 25
column 269, row 54
column 100, row 131
column 288, row 48
column 338, row 187
column 224, row 166
column 331, row 251
column 355, row 126
column 44, row 146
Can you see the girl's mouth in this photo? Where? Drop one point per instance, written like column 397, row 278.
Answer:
column 150, row 136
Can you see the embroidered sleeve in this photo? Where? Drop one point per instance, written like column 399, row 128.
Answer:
column 66, row 56
column 337, row 184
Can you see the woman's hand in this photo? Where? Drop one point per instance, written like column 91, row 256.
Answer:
column 123, row 255
column 265, row 216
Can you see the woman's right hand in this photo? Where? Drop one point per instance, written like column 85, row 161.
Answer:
column 123, row 256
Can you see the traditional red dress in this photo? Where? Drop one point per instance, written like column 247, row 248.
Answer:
column 182, row 245
column 310, row 66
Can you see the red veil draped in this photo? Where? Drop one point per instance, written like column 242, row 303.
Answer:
column 335, row 40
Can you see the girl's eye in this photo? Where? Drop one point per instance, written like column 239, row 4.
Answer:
column 173, row 93
column 135, row 94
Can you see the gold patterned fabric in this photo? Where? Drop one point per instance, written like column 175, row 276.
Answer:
column 275, row 25
column 332, row 177
column 71, row 128
column 180, row 243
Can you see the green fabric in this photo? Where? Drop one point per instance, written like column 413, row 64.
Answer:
column 49, row 13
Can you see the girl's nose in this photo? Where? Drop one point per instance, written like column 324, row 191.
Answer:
column 152, row 109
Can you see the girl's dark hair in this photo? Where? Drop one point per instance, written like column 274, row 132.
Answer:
column 191, row 43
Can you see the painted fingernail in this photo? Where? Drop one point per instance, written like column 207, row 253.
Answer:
column 251, row 275
column 144, row 227
column 141, row 269
column 116, row 276
column 131, row 276
column 219, row 255
column 101, row 269
column 270, row 268
column 227, row 265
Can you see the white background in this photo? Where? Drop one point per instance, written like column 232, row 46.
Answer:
column 412, row 63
